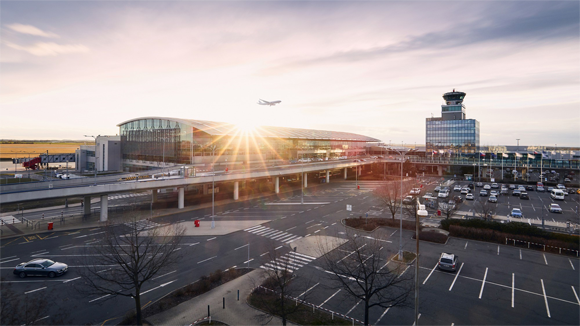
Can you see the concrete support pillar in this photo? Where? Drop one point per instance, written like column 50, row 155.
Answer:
column 327, row 176
column 359, row 169
column 305, row 178
column 345, row 173
column 205, row 189
column 236, row 190
column 154, row 195
column 180, row 197
column 439, row 170
column 277, row 185
column 104, row 208
column 66, row 203
column 87, row 205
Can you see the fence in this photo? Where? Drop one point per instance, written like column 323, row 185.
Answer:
column 541, row 245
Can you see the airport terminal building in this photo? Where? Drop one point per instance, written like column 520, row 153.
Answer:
column 152, row 142
column 452, row 133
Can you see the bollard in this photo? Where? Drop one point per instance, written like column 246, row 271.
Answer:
column 43, row 216
column 208, row 314
column 333, row 315
column 312, row 308
column 544, row 247
column 224, row 302
column 238, row 295
column 352, row 321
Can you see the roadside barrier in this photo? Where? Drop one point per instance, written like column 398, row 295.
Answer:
column 540, row 245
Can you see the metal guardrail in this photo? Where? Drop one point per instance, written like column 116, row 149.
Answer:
column 546, row 164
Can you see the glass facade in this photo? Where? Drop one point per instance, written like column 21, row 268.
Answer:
column 179, row 141
column 457, row 135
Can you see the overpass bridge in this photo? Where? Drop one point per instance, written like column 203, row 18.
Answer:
column 533, row 164
column 105, row 185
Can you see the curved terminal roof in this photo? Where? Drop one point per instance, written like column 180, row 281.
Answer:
column 227, row 129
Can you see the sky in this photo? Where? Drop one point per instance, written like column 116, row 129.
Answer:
column 376, row 68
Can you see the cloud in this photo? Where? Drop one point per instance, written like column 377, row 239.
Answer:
column 42, row 49
column 31, row 30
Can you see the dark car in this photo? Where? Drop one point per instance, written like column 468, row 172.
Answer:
column 457, row 199
column 529, row 188
column 524, row 195
column 516, row 192
column 470, row 186
column 41, row 267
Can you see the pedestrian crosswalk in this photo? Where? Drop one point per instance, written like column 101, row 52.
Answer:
column 290, row 261
column 364, row 185
column 9, row 220
column 273, row 234
column 143, row 225
column 128, row 195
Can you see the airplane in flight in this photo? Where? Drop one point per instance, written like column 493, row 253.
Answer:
column 270, row 103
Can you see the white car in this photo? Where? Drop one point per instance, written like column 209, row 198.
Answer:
column 555, row 208
column 469, row 196
column 443, row 194
column 415, row 191
column 492, row 199
column 493, row 193
column 465, row 191
column 487, row 187
column 457, row 188
column 561, row 186
column 494, row 185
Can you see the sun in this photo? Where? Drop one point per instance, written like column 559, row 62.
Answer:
column 246, row 126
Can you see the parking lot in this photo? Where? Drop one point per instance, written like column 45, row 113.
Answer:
column 494, row 284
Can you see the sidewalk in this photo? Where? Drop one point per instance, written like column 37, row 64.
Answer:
column 235, row 313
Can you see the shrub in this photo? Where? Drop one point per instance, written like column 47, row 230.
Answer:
column 432, row 236
column 371, row 223
column 216, row 276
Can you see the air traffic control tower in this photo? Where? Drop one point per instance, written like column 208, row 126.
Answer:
column 452, row 133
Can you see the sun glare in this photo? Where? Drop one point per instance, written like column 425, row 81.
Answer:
column 246, row 126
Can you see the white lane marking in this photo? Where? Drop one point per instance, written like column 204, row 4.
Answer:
column 520, row 254
column 498, row 250
column 333, row 224
column 247, row 244
column 10, row 257
column 264, row 253
column 42, row 317
column 291, row 228
column 211, row 239
column 576, row 295
column 72, row 279
column 316, row 231
column 546, row 261
column 312, row 287
column 6, row 261
column 545, row 299
column 325, row 301
column 309, row 221
column 39, row 254
column 193, row 244
column 571, row 264
column 160, row 276
column 483, row 283
column 456, row 276
column 160, row 286
column 351, row 309
column 247, row 261
column 35, row 290
column 384, row 313
column 99, row 298
column 201, row 261
column 466, row 242
column 513, row 287
column 425, row 281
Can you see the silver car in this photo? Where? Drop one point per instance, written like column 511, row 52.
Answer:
column 448, row 262
column 40, row 267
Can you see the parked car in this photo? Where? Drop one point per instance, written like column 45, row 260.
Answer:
column 516, row 192
column 448, row 262
column 550, row 189
column 408, row 200
column 555, row 208
column 40, row 267
column 457, row 199
column 494, row 185
column 483, row 193
column 428, row 195
column 529, row 188
column 479, row 184
column 540, row 189
column 487, row 187
column 561, row 186
column 443, row 194
column 437, row 189
column 492, row 199
column 504, row 191
column 415, row 191
column 470, row 185
column 494, row 193
column 465, row 191
column 512, row 187
column 457, row 188
column 469, row 196
column 524, row 195
column 516, row 212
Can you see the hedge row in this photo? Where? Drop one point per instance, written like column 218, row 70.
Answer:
column 432, row 236
column 500, row 237
column 371, row 223
column 513, row 229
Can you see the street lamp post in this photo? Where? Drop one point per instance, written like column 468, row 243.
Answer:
column 213, row 147
column 401, row 217
column 302, row 181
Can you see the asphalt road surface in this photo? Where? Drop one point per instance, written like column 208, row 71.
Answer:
column 535, row 273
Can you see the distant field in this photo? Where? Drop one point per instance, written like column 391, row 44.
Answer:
column 23, row 150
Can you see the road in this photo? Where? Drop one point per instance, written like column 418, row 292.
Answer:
column 321, row 215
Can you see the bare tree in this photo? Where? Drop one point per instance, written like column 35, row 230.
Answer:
column 137, row 251
column 448, row 208
column 390, row 194
column 278, row 284
column 483, row 208
column 363, row 273
column 18, row 309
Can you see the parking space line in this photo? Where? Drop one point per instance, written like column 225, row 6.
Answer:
column 520, row 254
column 483, row 283
column 425, row 281
column 351, row 309
column 99, row 298
column 312, row 287
column 545, row 299
column 513, row 287
column 498, row 250
column 384, row 313
column 456, row 276
column 575, row 294
column 466, row 242
column 546, row 261
column 35, row 290
column 325, row 301
column 571, row 264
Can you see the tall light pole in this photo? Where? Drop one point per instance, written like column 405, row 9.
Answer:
column 302, row 181
column 401, row 217
column 213, row 147
column 95, row 165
